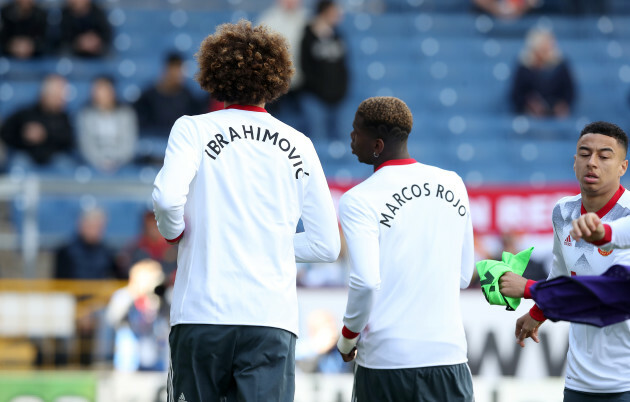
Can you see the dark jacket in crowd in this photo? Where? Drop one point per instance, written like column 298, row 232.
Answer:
column 81, row 260
column 324, row 66
column 158, row 111
column 551, row 85
column 72, row 26
column 59, row 136
column 13, row 25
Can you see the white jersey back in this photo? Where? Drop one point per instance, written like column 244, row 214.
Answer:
column 409, row 236
column 599, row 358
column 237, row 182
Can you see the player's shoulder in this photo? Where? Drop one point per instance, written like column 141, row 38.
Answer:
column 358, row 196
column 441, row 174
column 569, row 200
column 565, row 209
column 356, row 192
column 624, row 200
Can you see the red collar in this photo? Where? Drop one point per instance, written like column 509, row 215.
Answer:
column 609, row 205
column 249, row 108
column 396, row 162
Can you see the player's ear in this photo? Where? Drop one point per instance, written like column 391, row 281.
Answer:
column 379, row 146
column 623, row 167
column 574, row 160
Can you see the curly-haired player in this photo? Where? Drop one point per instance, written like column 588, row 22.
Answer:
column 410, row 242
column 234, row 184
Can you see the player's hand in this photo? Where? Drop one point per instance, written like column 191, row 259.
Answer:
column 347, row 347
column 588, row 227
column 512, row 285
column 349, row 356
column 527, row 327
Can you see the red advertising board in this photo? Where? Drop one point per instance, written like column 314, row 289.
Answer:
column 497, row 209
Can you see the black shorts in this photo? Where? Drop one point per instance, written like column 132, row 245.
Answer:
column 578, row 396
column 422, row 384
column 231, row 363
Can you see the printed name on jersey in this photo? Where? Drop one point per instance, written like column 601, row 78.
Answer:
column 214, row 147
column 604, row 253
column 409, row 193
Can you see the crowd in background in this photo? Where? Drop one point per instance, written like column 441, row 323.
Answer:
column 104, row 134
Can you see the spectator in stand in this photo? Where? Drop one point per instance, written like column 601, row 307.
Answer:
column 139, row 314
column 42, row 131
column 323, row 60
column 85, row 30
column 151, row 244
column 107, row 130
column 288, row 17
column 506, row 9
column 87, row 256
column 543, row 84
column 167, row 100
column 585, row 7
column 23, row 26
column 316, row 351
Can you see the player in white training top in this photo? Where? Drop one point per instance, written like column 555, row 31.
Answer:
column 234, row 184
column 410, row 242
column 598, row 360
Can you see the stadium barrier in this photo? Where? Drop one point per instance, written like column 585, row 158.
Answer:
column 151, row 387
column 36, row 313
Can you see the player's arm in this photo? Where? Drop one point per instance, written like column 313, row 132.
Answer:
column 170, row 189
column 468, row 249
column 590, row 228
column 361, row 232
column 320, row 240
column 527, row 326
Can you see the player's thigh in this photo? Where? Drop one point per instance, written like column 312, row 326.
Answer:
column 264, row 364
column 423, row 384
column 201, row 361
column 375, row 385
column 451, row 383
column 577, row 396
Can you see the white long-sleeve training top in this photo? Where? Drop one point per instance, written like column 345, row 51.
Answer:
column 598, row 359
column 234, row 184
column 410, row 242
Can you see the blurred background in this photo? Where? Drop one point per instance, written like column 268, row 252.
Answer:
column 499, row 90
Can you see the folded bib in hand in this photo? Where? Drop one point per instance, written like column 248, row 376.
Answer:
column 491, row 270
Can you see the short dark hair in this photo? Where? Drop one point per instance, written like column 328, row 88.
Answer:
column 244, row 64
column 323, row 5
column 388, row 116
column 609, row 129
column 105, row 77
column 173, row 58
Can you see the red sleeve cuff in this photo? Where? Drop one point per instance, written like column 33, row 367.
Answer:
column 527, row 293
column 175, row 240
column 537, row 314
column 607, row 236
column 348, row 334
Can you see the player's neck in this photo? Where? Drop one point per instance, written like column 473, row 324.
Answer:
column 226, row 104
column 402, row 154
column 595, row 202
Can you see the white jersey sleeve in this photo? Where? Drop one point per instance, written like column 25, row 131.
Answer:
column 320, row 240
column 620, row 230
column 181, row 163
column 558, row 264
column 468, row 255
column 362, row 236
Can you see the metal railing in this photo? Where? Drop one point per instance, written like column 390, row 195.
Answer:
column 28, row 193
